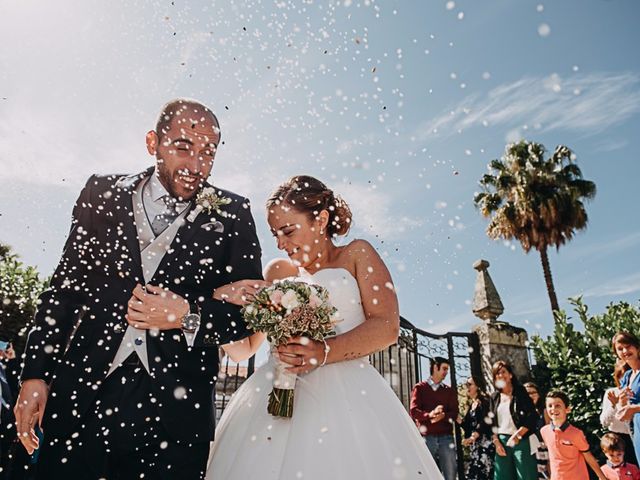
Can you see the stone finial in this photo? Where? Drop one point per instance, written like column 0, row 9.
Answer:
column 486, row 301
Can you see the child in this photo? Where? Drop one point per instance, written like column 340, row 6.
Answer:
column 616, row 468
column 568, row 447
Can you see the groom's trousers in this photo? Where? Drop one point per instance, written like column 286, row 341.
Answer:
column 121, row 437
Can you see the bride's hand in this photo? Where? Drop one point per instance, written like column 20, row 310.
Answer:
column 302, row 354
column 239, row 292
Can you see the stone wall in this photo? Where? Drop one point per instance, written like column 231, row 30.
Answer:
column 502, row 341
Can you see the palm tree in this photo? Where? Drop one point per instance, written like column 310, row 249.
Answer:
column 535, row 200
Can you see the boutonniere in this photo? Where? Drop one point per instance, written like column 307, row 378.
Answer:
column 208, row 201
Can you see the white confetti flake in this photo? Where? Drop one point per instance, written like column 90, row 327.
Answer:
column 180, row 393
column 544, row 30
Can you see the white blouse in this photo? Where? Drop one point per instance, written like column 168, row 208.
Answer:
column 608, row 415
column 505, row 421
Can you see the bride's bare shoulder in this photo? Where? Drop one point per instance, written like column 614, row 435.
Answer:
column 279, row 268
column 359, row 248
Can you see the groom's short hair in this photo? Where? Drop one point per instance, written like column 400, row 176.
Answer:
column 171, row 108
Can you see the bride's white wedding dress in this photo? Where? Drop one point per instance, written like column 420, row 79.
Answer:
column 347, row 422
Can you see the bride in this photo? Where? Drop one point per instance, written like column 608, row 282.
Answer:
column 347, row 422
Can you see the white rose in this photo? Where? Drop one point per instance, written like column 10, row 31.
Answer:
column 290, row 300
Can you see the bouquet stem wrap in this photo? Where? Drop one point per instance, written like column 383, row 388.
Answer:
column 284, row 383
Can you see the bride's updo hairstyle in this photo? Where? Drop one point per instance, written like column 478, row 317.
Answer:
column 309, row 195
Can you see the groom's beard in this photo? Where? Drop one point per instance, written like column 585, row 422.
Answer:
column 172, row 185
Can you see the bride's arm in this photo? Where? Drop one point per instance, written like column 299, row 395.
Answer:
column 382, row 318
column 380, row 303
column 247, row 347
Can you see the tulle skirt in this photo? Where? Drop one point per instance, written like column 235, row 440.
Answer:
column 347, row 424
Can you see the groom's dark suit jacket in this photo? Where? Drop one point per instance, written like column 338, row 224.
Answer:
column 80, row 322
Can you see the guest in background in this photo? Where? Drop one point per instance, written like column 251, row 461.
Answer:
column 614, row 448
column 477, row 433
column 538, row 402
column 434, row 408
column 7, row 420
column 610, row 406
column 569, row 452
column 514, row 420
column 537, row 445
column 627, row 348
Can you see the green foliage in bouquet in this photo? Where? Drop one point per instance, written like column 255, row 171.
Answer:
column 284, row 310
column 581, row 362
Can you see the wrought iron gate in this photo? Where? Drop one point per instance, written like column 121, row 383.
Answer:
column 407, row 363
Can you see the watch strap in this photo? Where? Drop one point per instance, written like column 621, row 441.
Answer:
column 194, row 308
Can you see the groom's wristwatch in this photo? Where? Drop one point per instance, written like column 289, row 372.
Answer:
column 191, row 321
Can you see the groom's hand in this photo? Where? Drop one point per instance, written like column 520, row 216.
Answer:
column 29, row 409
column 155, row 308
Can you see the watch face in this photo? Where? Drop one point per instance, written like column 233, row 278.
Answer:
column 190, row 322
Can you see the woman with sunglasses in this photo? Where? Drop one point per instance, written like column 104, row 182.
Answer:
column 477, row 433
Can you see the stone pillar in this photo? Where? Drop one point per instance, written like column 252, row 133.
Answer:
column 498, row 340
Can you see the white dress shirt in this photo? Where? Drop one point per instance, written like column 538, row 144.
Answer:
column 152, row 194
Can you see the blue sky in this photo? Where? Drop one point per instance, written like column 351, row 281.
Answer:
column 397, row 105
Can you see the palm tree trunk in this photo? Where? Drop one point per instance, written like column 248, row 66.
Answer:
column 544, row 258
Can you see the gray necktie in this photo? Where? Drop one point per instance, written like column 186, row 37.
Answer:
column 163, row 220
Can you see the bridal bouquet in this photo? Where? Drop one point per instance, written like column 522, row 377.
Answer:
column 284, row 310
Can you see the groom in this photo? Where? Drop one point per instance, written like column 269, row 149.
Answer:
column 123, row 400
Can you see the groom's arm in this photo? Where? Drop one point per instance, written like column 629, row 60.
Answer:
column 222, row 322
column 61, row 305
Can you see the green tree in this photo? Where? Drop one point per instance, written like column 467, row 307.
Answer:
column 535, row 200
column 20, row 287
column 5, row 250
column 581, row 363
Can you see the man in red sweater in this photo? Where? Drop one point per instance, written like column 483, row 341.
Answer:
column 434, row 407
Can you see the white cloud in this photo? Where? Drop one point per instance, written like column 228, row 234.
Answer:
column 615, row 287
column 611, row 145
column 460, row 321
column 606, row 247
column 373, row 212
column 586, row 103
column 45, row 147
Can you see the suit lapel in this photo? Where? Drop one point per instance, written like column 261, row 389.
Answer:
column 125, row 188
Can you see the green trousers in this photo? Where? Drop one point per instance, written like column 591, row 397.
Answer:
column 519, row 464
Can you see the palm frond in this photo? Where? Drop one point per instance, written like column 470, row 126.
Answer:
column 535, row 199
